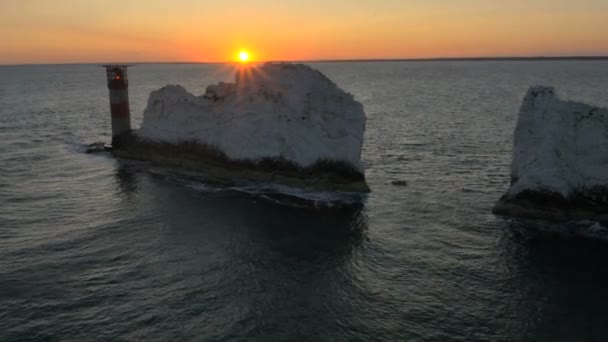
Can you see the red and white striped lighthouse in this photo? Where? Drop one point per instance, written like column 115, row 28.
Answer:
column 118, row 84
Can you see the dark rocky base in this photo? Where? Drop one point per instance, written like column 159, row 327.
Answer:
column 590, row 205
column 324, row 175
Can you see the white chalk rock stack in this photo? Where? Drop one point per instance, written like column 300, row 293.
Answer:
column 560, row 159
column 285, row 111
column 280, row 123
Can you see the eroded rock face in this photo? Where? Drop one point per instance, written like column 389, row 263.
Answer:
column 288, row 114
column 560, row 160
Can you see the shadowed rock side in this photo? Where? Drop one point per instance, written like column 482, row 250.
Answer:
column 560, row 160
column 281, row 123
column 327, row 175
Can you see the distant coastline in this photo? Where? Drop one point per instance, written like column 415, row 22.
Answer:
column 467, row 59
column 359, row 60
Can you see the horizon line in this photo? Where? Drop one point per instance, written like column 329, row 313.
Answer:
column 349, row 60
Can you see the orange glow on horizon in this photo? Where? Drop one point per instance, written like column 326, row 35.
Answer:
column 73, row 31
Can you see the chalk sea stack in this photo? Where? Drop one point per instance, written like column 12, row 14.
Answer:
column 560, row 160
column 281, row 123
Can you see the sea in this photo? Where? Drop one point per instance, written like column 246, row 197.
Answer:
column 95, row 248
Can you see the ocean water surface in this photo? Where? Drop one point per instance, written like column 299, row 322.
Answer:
column 97, row 248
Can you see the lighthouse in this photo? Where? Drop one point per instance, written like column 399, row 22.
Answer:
column 118, row 84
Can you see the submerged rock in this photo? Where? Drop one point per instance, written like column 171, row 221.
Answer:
column 97, row 147
column 560, row 160
column 278, row 122
column 399, row 183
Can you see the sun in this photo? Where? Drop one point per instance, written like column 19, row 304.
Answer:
column 244, row 56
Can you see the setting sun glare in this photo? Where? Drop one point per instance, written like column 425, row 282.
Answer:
column 243, row 56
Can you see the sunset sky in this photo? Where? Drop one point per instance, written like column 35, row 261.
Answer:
column 74, row 31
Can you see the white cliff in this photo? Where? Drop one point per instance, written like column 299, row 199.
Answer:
column 286, row 111
column 559, row 146
column 560, row 160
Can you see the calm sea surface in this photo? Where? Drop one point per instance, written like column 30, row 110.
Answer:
column 95, row 248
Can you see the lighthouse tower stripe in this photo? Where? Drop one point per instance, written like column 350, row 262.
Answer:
column 120, row 110
column 119, row 96
column 119, row 103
